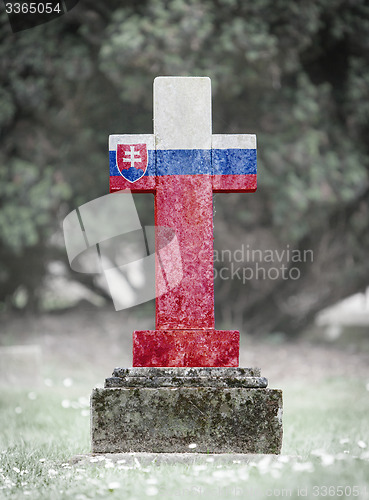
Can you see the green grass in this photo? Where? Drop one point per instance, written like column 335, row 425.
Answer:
column 325, row 430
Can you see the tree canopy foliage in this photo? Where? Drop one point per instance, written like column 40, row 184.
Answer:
column 294, row 73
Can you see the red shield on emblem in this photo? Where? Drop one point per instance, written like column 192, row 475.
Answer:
column 132, row 161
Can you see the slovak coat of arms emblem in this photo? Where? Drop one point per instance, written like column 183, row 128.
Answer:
column 132, row 161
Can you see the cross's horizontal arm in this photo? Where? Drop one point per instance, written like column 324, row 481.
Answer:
column 234, row 163
column 231, row 162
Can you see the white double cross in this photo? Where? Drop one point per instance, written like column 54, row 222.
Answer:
column 131, row 156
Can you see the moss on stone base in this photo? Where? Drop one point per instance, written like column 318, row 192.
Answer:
column 165, row 419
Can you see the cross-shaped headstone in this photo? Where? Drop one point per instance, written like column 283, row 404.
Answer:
column 183, row 164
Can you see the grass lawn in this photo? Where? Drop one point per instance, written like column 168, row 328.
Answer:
column 325, row 451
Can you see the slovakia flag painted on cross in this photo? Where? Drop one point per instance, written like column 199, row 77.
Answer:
column 132, row 161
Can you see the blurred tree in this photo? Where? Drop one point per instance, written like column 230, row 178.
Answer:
column 296, row 74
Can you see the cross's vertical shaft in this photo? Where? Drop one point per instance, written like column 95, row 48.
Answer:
column 184, row 197
column 185, row 334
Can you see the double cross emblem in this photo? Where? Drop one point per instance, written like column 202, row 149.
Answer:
column 131, row 161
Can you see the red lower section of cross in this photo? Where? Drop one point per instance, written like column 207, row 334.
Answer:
column 206, row 347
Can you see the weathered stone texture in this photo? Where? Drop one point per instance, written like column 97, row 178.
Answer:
column 186, row 376
column 188, row 371
column 165, row 419
column 252, row 382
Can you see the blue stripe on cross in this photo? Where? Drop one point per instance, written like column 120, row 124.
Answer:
column 195, row 162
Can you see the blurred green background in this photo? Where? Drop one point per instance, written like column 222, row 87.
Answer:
column 294, row 73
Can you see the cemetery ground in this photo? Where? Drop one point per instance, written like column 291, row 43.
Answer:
column 43, row 426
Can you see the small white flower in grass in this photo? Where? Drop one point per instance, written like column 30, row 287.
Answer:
column 277, row 465
column 218, row 473
column 32, row 396
column 225, row 474
column 26, row 492
column 276, row 474
column 264, row 464
column 24, row 483
column 303, row 467
column 67, row 382
column 284, row 459
column 199, row 467
column 15, row 469
column 83, row 401
column 109, row 465
column 318, row 453
column 42, row 460
column 341, row 456
column 327, row 460
column 114, row 485
column 121, row 461
column 361, row 444
column 344, row 440
column 192, row 446
column 152, row 491
column 65, row 403
column 94, row 459
column 243, row 474
column 52, row 472
column 18, row 410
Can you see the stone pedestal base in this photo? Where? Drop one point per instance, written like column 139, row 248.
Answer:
column 169, row 410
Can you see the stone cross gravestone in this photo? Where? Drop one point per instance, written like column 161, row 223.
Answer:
column 186, row 164
column 185, row 386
